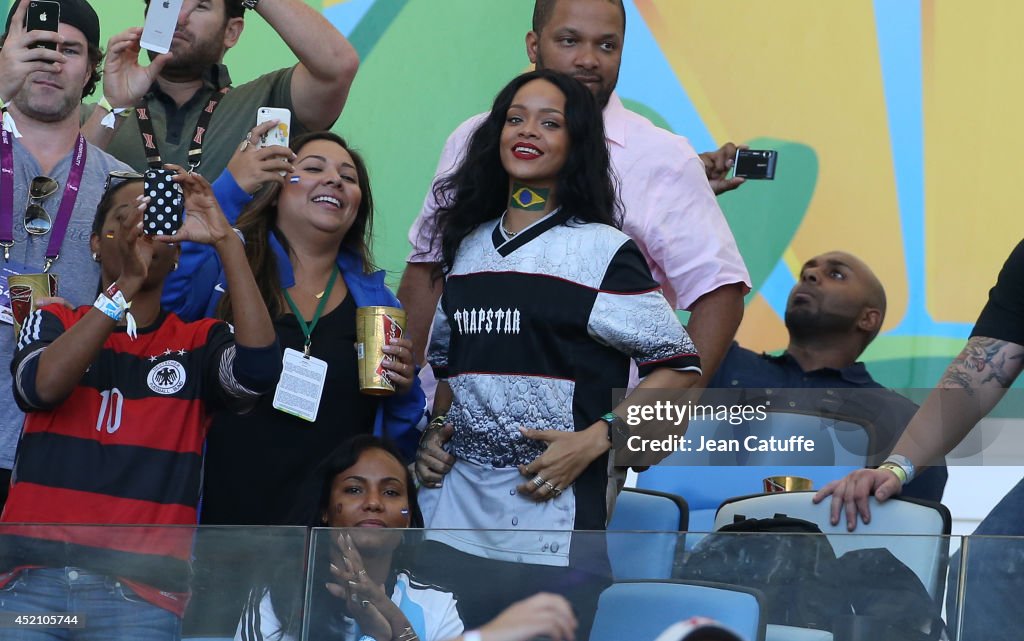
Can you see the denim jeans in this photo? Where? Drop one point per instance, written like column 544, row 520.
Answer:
column 112, row 611
column 995, row 575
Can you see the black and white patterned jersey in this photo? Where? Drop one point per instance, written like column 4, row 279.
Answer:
column 537, row 331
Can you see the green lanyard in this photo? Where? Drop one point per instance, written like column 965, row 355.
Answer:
column 307, row 330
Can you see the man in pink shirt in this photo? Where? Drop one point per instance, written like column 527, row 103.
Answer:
column 670, row 208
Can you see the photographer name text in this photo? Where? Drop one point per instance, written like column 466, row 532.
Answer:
column 703, row 444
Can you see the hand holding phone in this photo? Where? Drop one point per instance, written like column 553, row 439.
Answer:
column 161, row 22
column 755, row 164
column 166, row 210
column 43, row 15
column 279, row 134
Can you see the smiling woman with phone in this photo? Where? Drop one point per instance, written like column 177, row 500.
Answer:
column 307, row 241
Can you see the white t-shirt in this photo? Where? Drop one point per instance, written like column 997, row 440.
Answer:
column 430, row 610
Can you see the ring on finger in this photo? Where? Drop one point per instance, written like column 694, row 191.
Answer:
column 364, row 604
column 557, row 492
column 361, row 573
column 538, row 481
column 551, row 487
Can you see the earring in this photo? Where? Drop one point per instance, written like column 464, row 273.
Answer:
column 95, row 258
column 175, row 268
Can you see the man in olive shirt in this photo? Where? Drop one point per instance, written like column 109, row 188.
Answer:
column 176, row 92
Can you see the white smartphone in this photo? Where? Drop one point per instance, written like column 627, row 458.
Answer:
column 161, row 21
column 279, row 134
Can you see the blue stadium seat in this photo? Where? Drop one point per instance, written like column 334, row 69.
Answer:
column 641, row 610
column 706, row 479
column 919, row 529
column 927, row 553
column 645, row 556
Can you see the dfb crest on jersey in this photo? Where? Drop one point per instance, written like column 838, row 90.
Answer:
column 166, row 377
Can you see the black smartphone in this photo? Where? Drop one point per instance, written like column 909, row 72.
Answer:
column 755, row 164
column 166, row 211
column 43, row 15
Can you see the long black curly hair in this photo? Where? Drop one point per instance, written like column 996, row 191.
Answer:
column 477, row 191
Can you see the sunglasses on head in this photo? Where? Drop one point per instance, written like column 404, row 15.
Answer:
column 37, row 221
column 115, row 177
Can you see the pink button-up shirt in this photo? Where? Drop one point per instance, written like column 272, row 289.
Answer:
column 670, row 210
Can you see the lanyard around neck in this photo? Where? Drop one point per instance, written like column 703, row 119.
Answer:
column 307, row 329
column 67, row 200
column 195, row 147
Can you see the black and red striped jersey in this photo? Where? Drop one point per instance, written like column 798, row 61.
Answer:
column 126, row 447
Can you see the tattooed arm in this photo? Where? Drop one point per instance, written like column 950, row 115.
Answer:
column 985, row 363
column 972, row 385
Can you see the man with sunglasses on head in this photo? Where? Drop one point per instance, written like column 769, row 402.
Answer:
column 51, row 179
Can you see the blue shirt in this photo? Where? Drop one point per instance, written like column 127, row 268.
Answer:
column 195, row 288
column 781, row 379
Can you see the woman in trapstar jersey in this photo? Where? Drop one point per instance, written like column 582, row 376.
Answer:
column 545, row 302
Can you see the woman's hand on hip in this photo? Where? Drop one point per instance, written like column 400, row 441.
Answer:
column 567, row 455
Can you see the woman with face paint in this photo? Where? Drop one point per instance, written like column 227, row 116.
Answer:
column 307, row 238
column 544, row 304
column 363, row 592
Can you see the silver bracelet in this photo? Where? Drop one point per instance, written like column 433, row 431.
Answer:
column 904, row 464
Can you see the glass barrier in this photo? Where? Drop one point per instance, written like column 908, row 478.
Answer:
column 765, row 586
column 62, row 578
column 987, row 608
column 362, row 584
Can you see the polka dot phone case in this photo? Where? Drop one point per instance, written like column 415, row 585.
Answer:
column 166, row 211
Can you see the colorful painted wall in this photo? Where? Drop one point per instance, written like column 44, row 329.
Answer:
column 895, row 123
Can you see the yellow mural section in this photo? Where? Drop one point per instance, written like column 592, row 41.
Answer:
column 973, row 143
column 817, row 86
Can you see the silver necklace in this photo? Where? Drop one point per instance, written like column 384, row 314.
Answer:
column 510, row 234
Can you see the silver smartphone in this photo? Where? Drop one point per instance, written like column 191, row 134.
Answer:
column 161, row 21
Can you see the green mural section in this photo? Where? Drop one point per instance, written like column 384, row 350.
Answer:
column 780, row 205
column 398, row 116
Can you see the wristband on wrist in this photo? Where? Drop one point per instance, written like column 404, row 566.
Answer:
column 472, row 635
column 904, row 464
column 7, row 120
column 895, row 469
column 115, row 297
column 111, row 309
column 113, row 112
